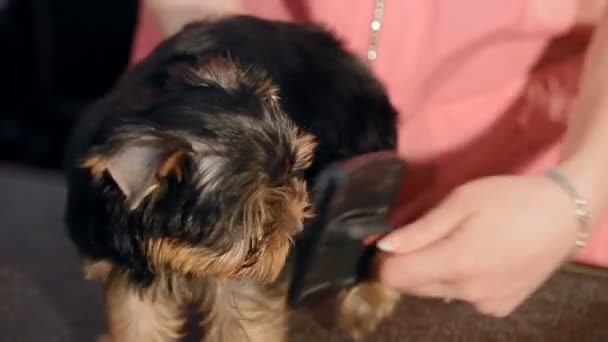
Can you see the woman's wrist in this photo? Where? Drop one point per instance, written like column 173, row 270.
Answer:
column 579, row 207
column 585, row 177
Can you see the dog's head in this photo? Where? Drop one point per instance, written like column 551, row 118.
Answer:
column 208, row 179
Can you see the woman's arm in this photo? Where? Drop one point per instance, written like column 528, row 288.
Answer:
column 585, row 153
column 495, row 240
column 172, row 15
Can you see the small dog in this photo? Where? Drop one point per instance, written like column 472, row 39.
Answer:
column 189, row 180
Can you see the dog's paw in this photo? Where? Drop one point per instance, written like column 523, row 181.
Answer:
column 364, row 306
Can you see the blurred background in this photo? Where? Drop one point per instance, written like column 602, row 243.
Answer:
column 56, row 57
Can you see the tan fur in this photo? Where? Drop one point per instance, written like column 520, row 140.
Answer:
column 147, row 315
column 97, row 270
column 234, row 311
column 364, row 306
column 230, row 75
column 270, row 215
column 275, row 214
column 245, row 311
column 165, row 255
column 172, row 165
column 221, row 71
column 270, row 259
column 305, row 149
column 97, row 165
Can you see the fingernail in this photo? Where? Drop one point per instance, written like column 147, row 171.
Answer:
column 384, row 246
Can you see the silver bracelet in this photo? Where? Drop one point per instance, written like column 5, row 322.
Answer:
column 581, row 211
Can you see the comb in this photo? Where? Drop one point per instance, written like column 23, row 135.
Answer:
column 351, row 202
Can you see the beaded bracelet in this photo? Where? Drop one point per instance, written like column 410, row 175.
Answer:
column 581, row 211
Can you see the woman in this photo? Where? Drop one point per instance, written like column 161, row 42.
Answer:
column 481, row 91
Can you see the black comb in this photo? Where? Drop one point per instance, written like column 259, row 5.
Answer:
column 351, row 201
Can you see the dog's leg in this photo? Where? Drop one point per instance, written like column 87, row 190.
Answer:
column 146, row 316
column 262, row 313
column 246, row 312
column 364, row 306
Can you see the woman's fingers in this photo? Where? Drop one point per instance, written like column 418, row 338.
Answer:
column 430, row 228
column 409, row 272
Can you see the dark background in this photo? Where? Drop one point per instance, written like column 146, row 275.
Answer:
column 55, row 57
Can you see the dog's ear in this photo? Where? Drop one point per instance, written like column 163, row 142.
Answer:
column 139, row 167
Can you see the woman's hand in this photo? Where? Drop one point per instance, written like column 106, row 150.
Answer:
column 492, row 243
column 496, row 240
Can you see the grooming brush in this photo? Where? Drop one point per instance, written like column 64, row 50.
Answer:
column 351, row 202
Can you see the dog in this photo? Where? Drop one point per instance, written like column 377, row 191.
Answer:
column 189, row 180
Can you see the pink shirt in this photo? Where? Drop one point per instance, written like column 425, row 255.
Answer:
column 461, row 75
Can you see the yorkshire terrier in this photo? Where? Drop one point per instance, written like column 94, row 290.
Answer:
column 189, row 180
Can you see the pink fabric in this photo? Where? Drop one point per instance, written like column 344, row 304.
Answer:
column 461, row 73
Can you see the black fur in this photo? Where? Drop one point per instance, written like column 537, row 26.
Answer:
column 322, row 88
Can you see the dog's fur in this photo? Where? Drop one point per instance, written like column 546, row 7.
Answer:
column 188, row 181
